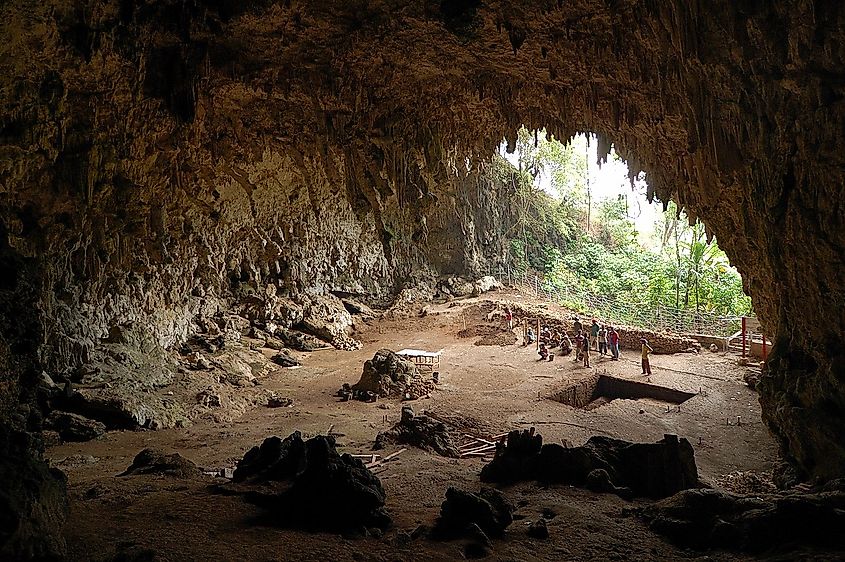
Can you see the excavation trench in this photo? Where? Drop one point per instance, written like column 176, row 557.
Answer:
column 598, row 390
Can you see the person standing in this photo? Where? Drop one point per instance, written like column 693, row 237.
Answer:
column 613, row 337
column 579, row 345
column 577, row 326
column 509, row 317
column 646, row 350
column 594, row 334
column 587, row 352
column 603, row 341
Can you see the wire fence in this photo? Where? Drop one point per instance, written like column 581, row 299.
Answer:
column 614, row 310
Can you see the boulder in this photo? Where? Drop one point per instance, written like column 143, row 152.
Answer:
column 707, row 518
column 326, row 317
column 486, row 284
column 308, row 484
column 264, row 309
column 299, row 341
column 73, row 427
column 538, row 529
column 386, row 374
column 357, row 307
column 285, row 360
column 488, row 509
column 151, row 461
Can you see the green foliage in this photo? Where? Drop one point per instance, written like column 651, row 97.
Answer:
column 549, row 235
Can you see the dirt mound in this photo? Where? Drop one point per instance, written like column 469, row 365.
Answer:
column 480, row 330
column 309, row 484
column 603, row 464
column 502, row 338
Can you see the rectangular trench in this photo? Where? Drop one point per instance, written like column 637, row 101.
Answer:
column 597, row 390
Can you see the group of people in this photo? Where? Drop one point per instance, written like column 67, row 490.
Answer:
column 597, row 337
column 550, row 339
column 601, row 338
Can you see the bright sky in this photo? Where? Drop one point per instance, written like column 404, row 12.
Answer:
column 607, row 182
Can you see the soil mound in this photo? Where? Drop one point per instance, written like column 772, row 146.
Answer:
column 479, row 330
column 502, row 338
column 309, row 484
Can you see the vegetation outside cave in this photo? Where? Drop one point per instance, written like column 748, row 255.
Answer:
column 586, row 241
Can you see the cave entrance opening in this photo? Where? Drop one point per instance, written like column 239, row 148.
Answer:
column 582, row 231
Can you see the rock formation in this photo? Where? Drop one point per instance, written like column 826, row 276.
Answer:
column 603, row 464
column 386, row 374
column 161, row 161
column 308, row 484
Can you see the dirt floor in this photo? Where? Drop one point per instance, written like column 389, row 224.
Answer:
column 486, row 390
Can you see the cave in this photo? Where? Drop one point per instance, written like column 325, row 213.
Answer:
column 596, row 391
column 163, row 162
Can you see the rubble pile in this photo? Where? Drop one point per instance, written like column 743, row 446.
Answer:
column 747, row 482
column 603, row 464
column 308, row 484
column 419, row 431
column 707, row 518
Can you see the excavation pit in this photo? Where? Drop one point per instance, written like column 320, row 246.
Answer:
column 595, row 391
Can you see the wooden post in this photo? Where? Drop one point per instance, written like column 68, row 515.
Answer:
column 765, row 354
column 743, row 336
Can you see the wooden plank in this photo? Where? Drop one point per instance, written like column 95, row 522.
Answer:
column 485, row 449
column 477, row 454
column 393, row 455
column 479, row 439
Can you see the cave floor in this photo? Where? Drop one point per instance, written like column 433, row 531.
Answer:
column 486, row 390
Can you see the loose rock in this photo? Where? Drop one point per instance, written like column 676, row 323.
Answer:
column 538, row 529
column 488, row 509
column 151, row 461
column 73, row 427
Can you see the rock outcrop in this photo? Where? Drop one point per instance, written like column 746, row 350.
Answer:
column 603, row 464
column 711, row 519
column 308, row 484
column 386, row 374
